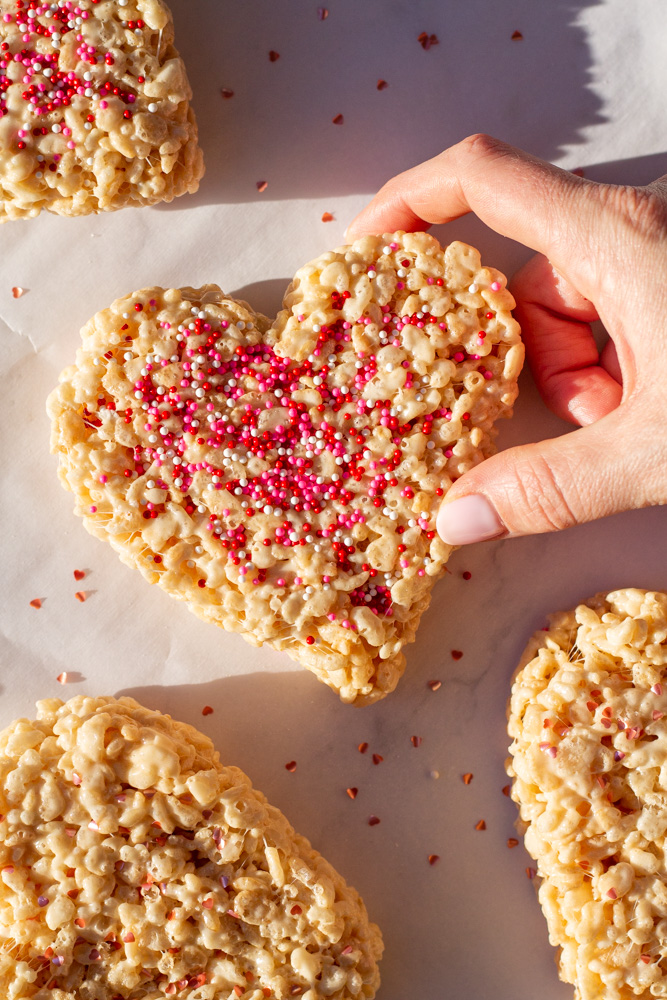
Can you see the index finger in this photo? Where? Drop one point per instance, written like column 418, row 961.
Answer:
column 516, row 194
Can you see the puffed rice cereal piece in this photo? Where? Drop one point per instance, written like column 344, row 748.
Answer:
column 94, row 108
column 284, row 479
column 135, row 866
column 588, row 717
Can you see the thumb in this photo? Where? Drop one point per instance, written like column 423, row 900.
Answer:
column 551, row 485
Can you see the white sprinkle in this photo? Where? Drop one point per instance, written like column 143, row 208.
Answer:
column 473, row 288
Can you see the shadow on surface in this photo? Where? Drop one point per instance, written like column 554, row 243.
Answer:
column 278, row 127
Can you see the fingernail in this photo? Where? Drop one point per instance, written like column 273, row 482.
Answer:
column 470, row 519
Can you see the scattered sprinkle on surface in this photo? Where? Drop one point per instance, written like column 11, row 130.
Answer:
column 467, row 777
column 80, row 595
column 427, row 41
column 416, row 741
column 79, row 574
column 17, row 291
column 338, row 120
column 481, row 825
column 517, row 36
column 207, row 710
column 274, row 56
column 373, row 820
column 327, row 217
column 290, row 766
column 466, row 574
column 226, row 93
column 362, row 748
column 352, row 792
column 62, row 678
column 512, row 842
column 435, row 685
column 377, row 759
column 323, row 13
column 382, row 84
column 456, row 654
column 36, row 602
column 433, row 859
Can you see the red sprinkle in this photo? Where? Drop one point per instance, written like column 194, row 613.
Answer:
column 79, row 574
column 362, row 748
column 262, row 186
column 426, row 40
column 352, row 792
column 512, row 842
column 433, row 859
column 36, row 602
column 466, row 574
column 382, row 84
column 377, row 759
column 506, row 790
column 80, row 595
column 273, row 55
column 373, row 820
column 467, row 777
column 327, row 217
column 338, row 120
column 207, row 710
column 456, row 654
column 291, row 766
column 516, row 36
column 226, row 93
column 481, row 825
column 416, row 741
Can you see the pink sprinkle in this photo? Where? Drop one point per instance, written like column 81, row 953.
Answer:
column 495, row 286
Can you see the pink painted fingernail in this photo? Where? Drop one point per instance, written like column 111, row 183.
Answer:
column 470, row 519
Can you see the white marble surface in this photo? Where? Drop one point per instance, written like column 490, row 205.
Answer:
column 585, row 87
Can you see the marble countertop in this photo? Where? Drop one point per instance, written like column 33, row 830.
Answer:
column 569, row 90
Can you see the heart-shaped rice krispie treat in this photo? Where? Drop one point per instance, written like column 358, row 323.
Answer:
column 588, row 716
column 284, row 479
column 134, row 866
column 94, row 108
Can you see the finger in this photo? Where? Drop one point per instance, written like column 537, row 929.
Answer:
column 518, row 195
column 581, row 476
column 564, row 359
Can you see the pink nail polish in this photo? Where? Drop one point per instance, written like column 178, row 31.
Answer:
column 470, row 519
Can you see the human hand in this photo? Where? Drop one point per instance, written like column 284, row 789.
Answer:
column 602, row 254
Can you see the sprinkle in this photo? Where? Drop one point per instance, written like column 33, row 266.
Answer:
column 79, row 574
column 657, row 689
column 17, row 291
column 36, row 602
column 434, row 685
column 362, row 748
column 467, row 777
column 327, row 217
column 530, row 873
column 62, row 678
column 291, row 766
column 506, row 790
column 416, row 741
column 80, row 595
column 426, row 40
column 517, row 36
column 456, row 654
column 128, row 938
column 43, row 900
column 262, row 186
column 352, row 792
column 322, row 13
column 274, row 56
column 338, row 120
column 481, row 825
column 612, row 894
column 377, row 759
column 207, row 710
column 466, row 574
column 208, row 903
column 433, row 859
column 512, row 842
column 80, row 922
column 373, row 820
column 382, row 84
column 226, row 93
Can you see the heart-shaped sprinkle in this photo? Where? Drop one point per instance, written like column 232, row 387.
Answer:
column 284, row 479
column 94, row 108
column 204, row 882
column 588, row 765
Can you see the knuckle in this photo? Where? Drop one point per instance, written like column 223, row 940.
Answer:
column 481, row 144
column 539, row 497
column 644, row 207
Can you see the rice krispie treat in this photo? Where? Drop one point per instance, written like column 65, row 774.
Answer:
column 94, row 108
column 588, row 716
column 283, row 479
column 134, row 866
